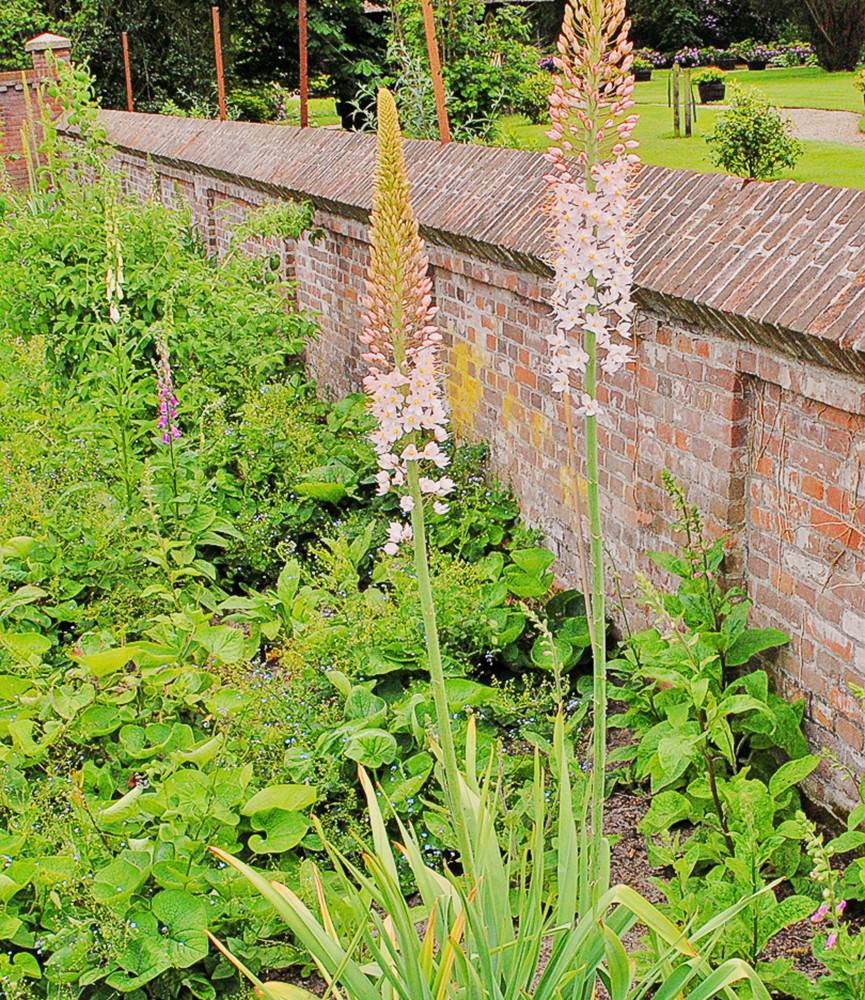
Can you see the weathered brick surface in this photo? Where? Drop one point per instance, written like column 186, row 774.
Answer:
column 18, row 104
column 748, row 383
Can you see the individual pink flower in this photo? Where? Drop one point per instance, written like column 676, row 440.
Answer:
column 830, row 941
column 820, row 913
column 396, row 534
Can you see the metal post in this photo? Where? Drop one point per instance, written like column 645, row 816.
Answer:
column 304, row 81
column 435, row 71
column 217, row 50
column 127, row 72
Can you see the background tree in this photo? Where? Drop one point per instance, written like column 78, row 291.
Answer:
column 838, row 31
column 669, row 25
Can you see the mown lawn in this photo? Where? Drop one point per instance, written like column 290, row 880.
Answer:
column 823, row 162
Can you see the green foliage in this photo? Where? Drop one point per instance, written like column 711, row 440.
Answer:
column 531, row 96
column 839, row 948
column 484, row 57
column 708, row 74
column 478, row 938
column 752, row 139
column 19, row 20
column 710, row 734
column 200, row 639
column 251, row 105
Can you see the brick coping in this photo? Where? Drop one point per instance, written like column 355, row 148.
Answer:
column 776, row 263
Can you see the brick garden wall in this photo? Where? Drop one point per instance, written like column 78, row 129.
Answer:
column 749, row 383
column 18, row 102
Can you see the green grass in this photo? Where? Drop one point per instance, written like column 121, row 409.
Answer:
column 802, row 87
column 823, row 162
column 321, row 112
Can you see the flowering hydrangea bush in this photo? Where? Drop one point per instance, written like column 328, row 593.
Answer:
column 687, row 57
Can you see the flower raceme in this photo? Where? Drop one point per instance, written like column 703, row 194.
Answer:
column 591, row 159
column 166, row 400
column 400, row 337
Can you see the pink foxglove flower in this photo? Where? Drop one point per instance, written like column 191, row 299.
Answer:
column 166, row 400
column 400, row 338
column 830, row 941
column 591, row 160
column 819, row 914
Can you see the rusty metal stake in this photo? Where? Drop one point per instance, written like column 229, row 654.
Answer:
column 127, row 72
column 435, row 71
column 304, row 81
column 217, row 50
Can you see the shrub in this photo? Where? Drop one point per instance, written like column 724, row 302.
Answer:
column 751, row 139
column 709, row 74
column 251, row 105
column 531, row 97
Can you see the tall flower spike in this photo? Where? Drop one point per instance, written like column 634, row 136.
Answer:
column 591, row 157
column 400, row 337
column 166, row 400
column 114, row 267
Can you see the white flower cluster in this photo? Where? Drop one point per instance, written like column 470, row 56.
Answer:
column 408, row 407
column 592, row 273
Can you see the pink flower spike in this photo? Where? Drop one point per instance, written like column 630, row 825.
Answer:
column 403, row 384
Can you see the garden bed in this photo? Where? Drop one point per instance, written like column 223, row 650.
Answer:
column 207, row 627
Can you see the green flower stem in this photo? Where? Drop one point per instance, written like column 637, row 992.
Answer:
column 436, row 671
column 598, row 630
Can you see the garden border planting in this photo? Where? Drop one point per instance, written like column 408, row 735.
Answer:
column 749, row 384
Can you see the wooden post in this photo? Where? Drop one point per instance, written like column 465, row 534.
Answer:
column 435, row 70
column 304, row 81
column 217, row 50
column 687, row 96
column 127, row 73
column 677, row 131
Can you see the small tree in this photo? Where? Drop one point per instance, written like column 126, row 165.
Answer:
column 752, row 139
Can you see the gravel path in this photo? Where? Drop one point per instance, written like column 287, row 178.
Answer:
column 826, row 126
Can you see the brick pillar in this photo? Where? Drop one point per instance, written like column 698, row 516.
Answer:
column 39, row 48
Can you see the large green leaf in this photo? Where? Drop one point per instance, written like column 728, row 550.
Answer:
column 372, row 748
column 363, row 704
column 792, row 773
column 328, row 492
column 224, row 643
column 753, row 641
column 114, row 884
column 23, row 645
column 291, row 798
column 183, row 921
column 107, row 661
column 282, row 831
